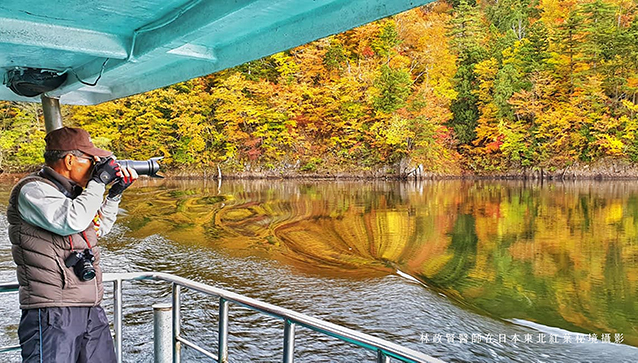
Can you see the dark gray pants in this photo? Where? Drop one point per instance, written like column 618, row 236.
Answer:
column 66, row 335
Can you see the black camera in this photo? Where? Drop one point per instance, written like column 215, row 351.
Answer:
column 82, row 262
column 148, row 167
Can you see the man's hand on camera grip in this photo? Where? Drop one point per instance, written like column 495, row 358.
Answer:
column 106, row 171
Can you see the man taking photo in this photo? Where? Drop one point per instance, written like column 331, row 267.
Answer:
column 55, row 218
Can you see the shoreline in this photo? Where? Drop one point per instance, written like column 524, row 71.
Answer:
column 556, row 176
column 609, row 169
column 602, row 170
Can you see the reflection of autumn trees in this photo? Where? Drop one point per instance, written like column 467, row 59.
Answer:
column 562, row 255
column 181, row 215
column 559, row 255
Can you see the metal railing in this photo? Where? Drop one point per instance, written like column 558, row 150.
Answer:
column 385, row 350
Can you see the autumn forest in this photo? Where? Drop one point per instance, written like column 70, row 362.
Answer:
column 454, row 87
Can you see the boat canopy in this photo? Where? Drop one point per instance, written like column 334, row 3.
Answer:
column 88, row 52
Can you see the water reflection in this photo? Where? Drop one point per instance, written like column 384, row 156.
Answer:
column 563, row 255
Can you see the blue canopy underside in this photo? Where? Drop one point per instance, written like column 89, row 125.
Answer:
column 148, row 44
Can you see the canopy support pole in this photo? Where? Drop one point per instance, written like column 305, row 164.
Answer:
column 52, row 113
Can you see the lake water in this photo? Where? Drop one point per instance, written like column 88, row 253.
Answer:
column 466, row 271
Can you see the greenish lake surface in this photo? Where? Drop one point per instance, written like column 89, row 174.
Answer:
column 469, row 271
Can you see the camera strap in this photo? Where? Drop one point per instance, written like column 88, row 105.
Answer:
column 86, row 239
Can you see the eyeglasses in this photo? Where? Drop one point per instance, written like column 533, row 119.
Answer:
column 86, row 158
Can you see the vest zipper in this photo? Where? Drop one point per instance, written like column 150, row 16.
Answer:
column 97, row 293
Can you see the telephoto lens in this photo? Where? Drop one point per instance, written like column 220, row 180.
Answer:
column 148, row 167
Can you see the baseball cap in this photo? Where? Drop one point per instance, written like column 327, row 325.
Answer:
column 69, row 138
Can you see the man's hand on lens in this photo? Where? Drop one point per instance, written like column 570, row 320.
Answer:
column 129, row 176
column 106, row 171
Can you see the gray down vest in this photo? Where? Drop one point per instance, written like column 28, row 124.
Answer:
column 44, row 279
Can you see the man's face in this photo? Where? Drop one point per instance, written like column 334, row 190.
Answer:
column 81, row 169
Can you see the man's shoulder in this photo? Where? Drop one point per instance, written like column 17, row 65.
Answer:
column 35, row 184
column 29, row 184
column 31, row 179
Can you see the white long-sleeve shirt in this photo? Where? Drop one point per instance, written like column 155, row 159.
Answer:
column 44, row 206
